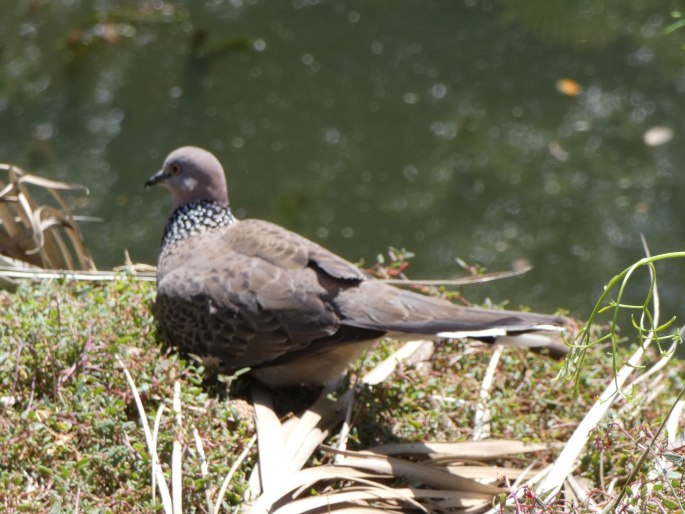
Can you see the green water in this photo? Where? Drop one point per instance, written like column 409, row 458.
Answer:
column 436, row 126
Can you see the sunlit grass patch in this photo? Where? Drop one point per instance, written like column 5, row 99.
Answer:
column 71, row 435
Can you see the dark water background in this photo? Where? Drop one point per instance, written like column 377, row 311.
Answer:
column 436, row 126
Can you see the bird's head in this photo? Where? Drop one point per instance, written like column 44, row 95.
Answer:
column 192, row 174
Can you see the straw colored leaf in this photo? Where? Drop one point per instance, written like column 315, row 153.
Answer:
column 441, row 479
column 486, row 449
column 46, row 236
column 272, row 455
column 384, row 369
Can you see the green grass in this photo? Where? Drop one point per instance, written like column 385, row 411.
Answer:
column 71, row 437
column 69, row 430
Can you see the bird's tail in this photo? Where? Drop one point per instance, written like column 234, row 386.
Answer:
column 404, row 314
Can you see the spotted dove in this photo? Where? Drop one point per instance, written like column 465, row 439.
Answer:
column 252, row 294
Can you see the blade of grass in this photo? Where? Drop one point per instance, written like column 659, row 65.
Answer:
column 204, row 467
column 155, row 435
column 176, row 465
column 482, row 416
column 231, row 472
column 161, row 483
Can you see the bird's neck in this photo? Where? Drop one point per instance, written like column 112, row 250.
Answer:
column 195, row 218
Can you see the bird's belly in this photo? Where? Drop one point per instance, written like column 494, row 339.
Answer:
column 321, row 369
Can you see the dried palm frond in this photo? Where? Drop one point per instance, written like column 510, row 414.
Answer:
column 462, row 477
column 46, row 236
column 371, row 479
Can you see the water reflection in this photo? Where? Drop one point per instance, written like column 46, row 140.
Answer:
column 545, row 132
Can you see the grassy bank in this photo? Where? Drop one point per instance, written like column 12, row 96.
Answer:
column 71, row 438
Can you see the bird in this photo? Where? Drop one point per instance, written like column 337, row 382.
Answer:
column 251, row 294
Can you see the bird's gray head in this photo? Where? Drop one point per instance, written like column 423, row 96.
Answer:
column 192, row 174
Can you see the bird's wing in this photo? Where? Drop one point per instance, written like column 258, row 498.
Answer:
column 287, row 250
column 256, row 293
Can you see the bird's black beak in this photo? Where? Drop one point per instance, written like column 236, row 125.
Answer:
column 158, row 177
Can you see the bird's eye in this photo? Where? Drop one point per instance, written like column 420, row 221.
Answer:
column 175, row 169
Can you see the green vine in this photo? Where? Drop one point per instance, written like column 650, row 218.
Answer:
column 646, row 327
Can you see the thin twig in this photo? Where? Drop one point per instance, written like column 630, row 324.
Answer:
column 645, row 454
column 39, row 274
column 488, row 277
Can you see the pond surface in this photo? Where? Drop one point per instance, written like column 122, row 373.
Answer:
column 548, row 133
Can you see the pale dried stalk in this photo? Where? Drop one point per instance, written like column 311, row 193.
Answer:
column 157, row 469
column 481, row 421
